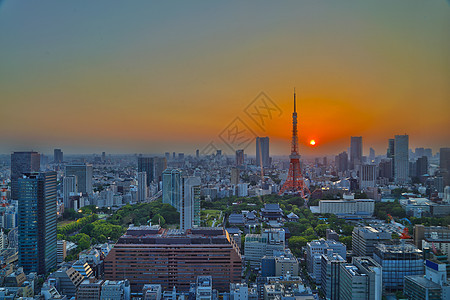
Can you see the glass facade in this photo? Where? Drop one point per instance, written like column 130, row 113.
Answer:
column 398, row 261
column 37, row 222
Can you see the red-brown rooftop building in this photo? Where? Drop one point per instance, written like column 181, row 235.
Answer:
column 152, row 255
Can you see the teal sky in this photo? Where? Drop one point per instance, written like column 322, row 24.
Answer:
column 147, row 76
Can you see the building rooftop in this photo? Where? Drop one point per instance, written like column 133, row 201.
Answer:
column 423, row 282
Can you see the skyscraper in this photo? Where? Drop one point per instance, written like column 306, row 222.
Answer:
column 239, row 157
column 37, row 222
column 262, row 152
column 69, row 186
column 444, row 165
column 83, row 172
column 190, row 203
column 401, row 158
column 58, row 156
column 171, row 180
column 153, row 166
column 142, row 186
column 22, row 162
column 355, row 152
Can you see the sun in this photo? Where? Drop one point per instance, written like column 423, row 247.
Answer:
column 312, row 142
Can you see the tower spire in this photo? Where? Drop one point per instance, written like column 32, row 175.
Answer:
column 295, row 110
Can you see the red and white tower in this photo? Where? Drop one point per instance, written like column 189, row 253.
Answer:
column 295, row 183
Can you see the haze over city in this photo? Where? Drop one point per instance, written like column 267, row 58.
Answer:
column 147, row 77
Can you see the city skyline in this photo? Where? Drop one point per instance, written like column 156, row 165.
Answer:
column 173, row 77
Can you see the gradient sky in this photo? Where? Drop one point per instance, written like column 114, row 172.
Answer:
column 150, row 77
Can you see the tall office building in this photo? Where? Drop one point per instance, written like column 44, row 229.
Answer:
column 444, row 164
column 401, row 159
column 83, row 172
column 153, row 166
column 171, row 179
column 239, row 157
column 37, row 222
column 355, row 152
column 58, row 156
column 70, row 187
column 142, row 186
column 22, row 162
column 262, row 151
column 190, row 203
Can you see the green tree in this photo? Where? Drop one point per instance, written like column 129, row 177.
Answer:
column 158, row 219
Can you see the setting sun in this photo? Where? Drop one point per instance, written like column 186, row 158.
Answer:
column 312, row 142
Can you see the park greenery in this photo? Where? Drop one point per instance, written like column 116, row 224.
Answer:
column 88, row 229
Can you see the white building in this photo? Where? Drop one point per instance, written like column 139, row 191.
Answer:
column 115, row 290
column 348, row 208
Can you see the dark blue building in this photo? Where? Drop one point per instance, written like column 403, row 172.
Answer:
column 37, row 222
column 22, row 162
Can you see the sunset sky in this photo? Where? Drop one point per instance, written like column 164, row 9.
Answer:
column 151, row 77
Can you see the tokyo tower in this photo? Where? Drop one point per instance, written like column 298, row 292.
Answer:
column 294, row 183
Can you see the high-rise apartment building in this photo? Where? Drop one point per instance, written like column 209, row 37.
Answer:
column 355, row 152
column 70, row 187
column 262, row 152
column 142, row 186
column 239, row 158
column 153, row 166
column 444, row 165
column 58, row 156
column 190, row 203
column 401, row 159
column 37, row 222
column 83, row 172
column 367, row 176
column 22, row 162
column 174, row 258
column 171, row 189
